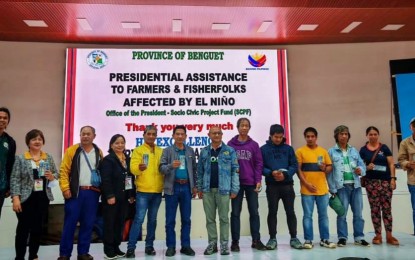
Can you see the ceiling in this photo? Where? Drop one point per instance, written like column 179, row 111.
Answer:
column 244, row 18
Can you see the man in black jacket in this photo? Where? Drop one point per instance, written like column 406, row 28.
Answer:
column 7, row 154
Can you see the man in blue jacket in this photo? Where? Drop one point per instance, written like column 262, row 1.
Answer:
column 217, row 183
column 280, row 166
column 344, row 181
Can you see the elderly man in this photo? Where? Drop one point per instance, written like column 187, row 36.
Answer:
column 217, row 183
column 78, row 167
column 178, row 164
column 7, row 154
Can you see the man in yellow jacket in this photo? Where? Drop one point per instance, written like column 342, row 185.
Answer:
column 149, row 181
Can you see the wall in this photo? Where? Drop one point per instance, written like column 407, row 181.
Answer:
column 329, row 85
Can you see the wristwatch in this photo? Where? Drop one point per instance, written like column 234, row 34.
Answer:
column 394, row 178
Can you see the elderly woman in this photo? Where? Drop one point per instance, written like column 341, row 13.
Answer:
column 32, row 176
column 381, row 182
column 117, row 192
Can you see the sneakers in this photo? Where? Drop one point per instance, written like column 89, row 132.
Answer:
column 308, row 244
column 149, row 250
column 361, row 243
column 171, row 251
column 110, row 256
column 130, row 253
column 327, row 243
column 119, row 252
column 295, row 243
column 271, row 244
column 85, row 257
column 187, row 251
column 257, row 244
column 224, row 249
column 235, row 246
column 342, row 242
column 211, row 249
column 63, row 258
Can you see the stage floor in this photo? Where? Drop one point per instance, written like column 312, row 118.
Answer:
column 406, row 250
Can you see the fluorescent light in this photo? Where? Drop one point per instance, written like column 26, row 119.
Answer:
column 176, row 25
column 350, row 27
column 221, row 26
column 35, row 23
column 131, row 25
column 307, row 27
column 264, row 26
column 83, row 22
column 392, row 27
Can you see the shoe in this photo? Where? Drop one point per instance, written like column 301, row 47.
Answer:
column 85, row 257
column 119, row 252
column 271, row 244
column 150, row 250
column 392, row 241
column 224, row 249
column 235, row 246
column 187, row 251
column 211, row 249
column 308, row 244
column 63, row 258
column 295, row 243
column 327, row 243
column 361, row 243
column 130, row 253
column 257, row 244
column 377, row 240
column 110, row 256
column 171, row 251
column 342, row 242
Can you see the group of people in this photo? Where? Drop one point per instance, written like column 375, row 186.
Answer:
column 222, row 176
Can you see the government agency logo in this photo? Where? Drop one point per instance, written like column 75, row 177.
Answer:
column 257, row 61
column 97, row 59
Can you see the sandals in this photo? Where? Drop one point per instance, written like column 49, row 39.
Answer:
column 377, row 240
column 392, row 241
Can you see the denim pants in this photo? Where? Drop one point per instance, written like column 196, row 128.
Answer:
column 181, row 197
column 286, row 193
column 322, row 202
column 252, row 200
column 213, row 201
column 83, row 209
column 349, row 195
column 144, row 201
column 411, row 189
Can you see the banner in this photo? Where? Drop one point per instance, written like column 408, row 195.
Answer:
column 120, row 91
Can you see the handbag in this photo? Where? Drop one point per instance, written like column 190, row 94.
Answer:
column 95, row 175
column 336, row 205
column 364, row 180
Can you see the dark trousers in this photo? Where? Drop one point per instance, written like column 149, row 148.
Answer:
column 30, row 223
column 287, row 195
column 2, row 197
column 114, row 216
column 252, row 200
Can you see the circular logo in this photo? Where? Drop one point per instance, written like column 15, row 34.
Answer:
column 97, row 59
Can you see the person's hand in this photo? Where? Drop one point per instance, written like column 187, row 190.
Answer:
column 131, row 200
column 200, row 194
column 17, row 207
column 233, row 195
column 322, row 167
column 194, row 192
column 370, row 166
column 310, row 187
column 393, row 184
column 142, row 166
column 49, row 176
column 358, row 171
column 176, row 164
column 411, row 165
column 258, row 188
column 67, row 194
column 111, row 201
column 7, row 194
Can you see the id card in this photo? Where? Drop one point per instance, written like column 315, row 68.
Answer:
column 182, row 159
column 38, row 185
column 128, row 183
column 380, row 168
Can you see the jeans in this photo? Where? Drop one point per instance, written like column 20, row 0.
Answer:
column 181, row 197
column 213, row 201
column 287, row 195
column 144, row 201
column 349, row 195
column 411, row 189
column 322, row 202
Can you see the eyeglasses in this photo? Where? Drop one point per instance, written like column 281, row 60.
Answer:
column 216, row 133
